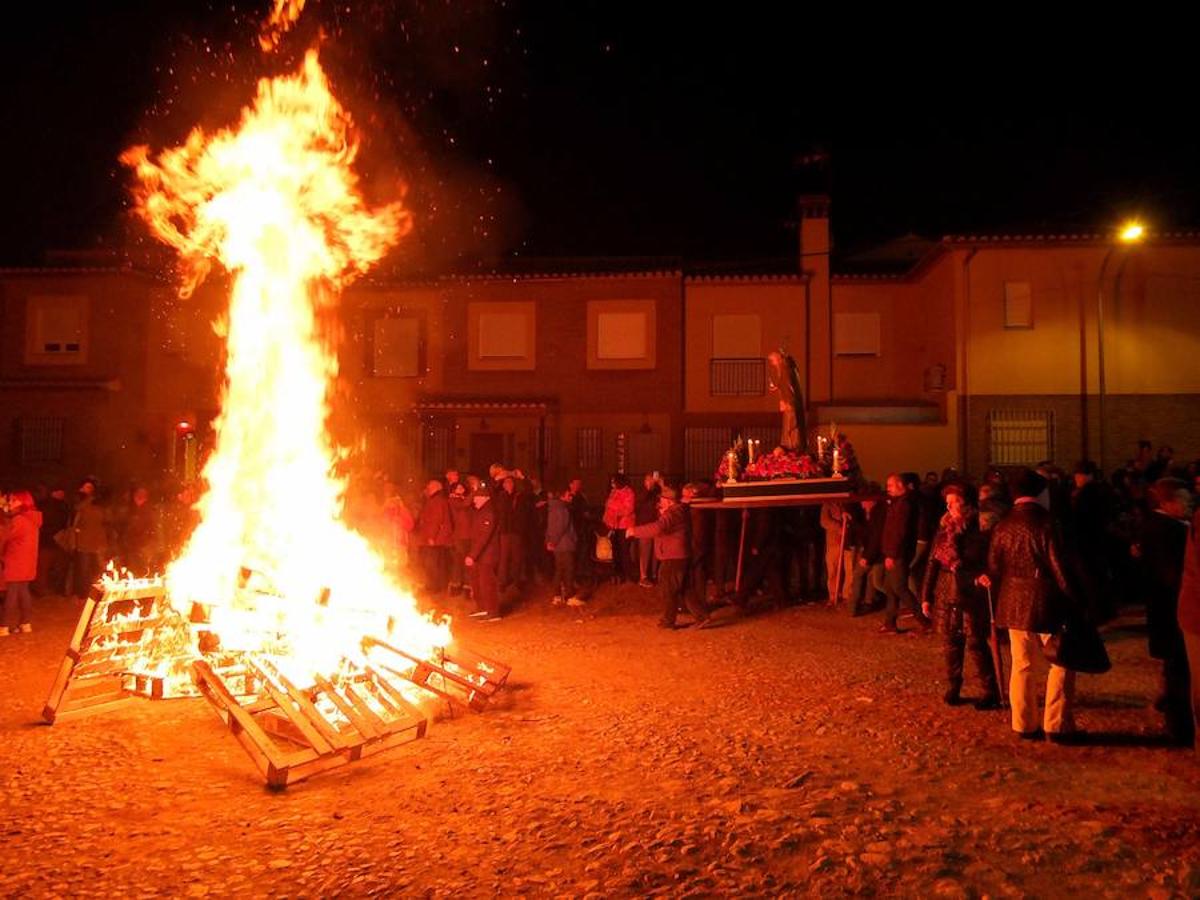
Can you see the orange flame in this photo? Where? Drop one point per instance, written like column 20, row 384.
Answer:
column 283, row 16
column 275, row 202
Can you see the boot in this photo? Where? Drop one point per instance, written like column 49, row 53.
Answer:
column 953, row 697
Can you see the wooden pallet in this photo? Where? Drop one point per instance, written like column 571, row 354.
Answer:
column 110, row 635
column 464, row 678
column 292, row 734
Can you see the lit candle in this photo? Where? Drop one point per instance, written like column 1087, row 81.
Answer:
column 820, row 446
column 837, row 463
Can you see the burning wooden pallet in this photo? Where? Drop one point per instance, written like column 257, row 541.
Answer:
column 120, row 622
column 292, row 734
column 464, row 678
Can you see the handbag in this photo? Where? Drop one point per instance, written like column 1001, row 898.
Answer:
column 1077, row 646
column 603, row 551
column 65, row 539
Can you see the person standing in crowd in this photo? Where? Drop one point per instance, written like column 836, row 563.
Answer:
column 700, row 528
column 89, row 528
column 53, row 560
column 1188, row 612
column 505, row 502
column 561, row 540
column 646, row 511
column 581, row 521
column 670, row 534
column 18, row 562
column 483, row 556
column 958, row 556
column 867, row 538
column 899, row 543
column 1088, row 537
column 839, row 555
column 1161, row 545
column 400, row 524
column 618, row 518
column 460, row 517
column 1032, row 600
column 141, row 534
column 435, row 534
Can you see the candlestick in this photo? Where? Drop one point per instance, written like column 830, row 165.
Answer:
column 837, row 463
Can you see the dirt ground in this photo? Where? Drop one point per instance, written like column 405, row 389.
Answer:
column 795, row 752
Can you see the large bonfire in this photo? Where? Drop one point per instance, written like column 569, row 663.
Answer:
column 275, row 202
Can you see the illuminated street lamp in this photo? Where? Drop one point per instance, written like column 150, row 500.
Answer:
column 1130, row 234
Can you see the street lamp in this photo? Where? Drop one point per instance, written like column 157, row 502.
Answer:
column 1130, row 233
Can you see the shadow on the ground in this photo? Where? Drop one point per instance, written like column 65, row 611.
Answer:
column 1124, row 739
column 1112, row 701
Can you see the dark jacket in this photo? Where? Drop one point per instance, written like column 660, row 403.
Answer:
column 434, row 527
column 645, row 509
column 958, row 587
column 1029, row 584
column 560, row 530
column 700, row 527
column 1163, row 542
column 868, row 533
column 461, row 511
column 485, row 541
column 1189, row 586
column 900, row 529
column 669, row 532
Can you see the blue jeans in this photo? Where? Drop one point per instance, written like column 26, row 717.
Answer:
column 18, row 605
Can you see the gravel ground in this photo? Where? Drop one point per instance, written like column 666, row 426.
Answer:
column 793, row 752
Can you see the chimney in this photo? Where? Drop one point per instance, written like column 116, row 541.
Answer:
column 815, row 246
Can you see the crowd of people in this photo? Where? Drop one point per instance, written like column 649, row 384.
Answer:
column 1016, row 553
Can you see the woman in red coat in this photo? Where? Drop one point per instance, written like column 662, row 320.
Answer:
column 18, row 557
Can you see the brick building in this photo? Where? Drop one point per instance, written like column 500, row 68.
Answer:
column 975, row 350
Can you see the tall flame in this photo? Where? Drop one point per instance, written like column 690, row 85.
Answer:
column 276, row 203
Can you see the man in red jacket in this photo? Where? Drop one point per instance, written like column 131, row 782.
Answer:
column 435, row 534
column 670, row 534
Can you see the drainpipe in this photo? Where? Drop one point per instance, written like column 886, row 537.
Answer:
column 964, row 393
column 1100, row 359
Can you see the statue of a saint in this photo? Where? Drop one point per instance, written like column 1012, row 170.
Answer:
column 784, row 380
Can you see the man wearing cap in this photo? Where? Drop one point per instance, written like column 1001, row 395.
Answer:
column 1032, row 600
column 483, row 557
column 670, row 534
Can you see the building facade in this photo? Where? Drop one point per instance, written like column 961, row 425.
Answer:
column 987, row 351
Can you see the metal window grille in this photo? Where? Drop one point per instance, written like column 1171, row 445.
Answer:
column 437, row 447
column 1020, row 437
column 41, row 439
column 589, row 448
column 544, row 457
column 743, row 377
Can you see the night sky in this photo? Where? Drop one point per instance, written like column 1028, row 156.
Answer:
column 617, row 129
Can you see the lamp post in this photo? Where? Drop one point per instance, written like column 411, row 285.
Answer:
column 1131, row 233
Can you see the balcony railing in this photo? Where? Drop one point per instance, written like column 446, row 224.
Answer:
column 744, row 377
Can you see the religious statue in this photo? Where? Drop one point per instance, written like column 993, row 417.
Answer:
column 784, row 379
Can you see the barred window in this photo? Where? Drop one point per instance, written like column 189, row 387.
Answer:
column 589, row 448
column 40, row 439
column 1020, row 437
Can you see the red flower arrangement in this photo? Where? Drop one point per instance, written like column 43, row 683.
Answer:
column 782, row 464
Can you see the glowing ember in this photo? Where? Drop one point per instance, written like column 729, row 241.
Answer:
column 275, row 201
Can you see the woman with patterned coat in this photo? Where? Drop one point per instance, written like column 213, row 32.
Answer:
column 950, row 596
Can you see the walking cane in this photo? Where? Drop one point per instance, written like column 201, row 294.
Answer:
column 994, row 644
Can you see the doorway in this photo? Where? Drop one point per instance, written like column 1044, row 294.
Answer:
column 487, row 447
